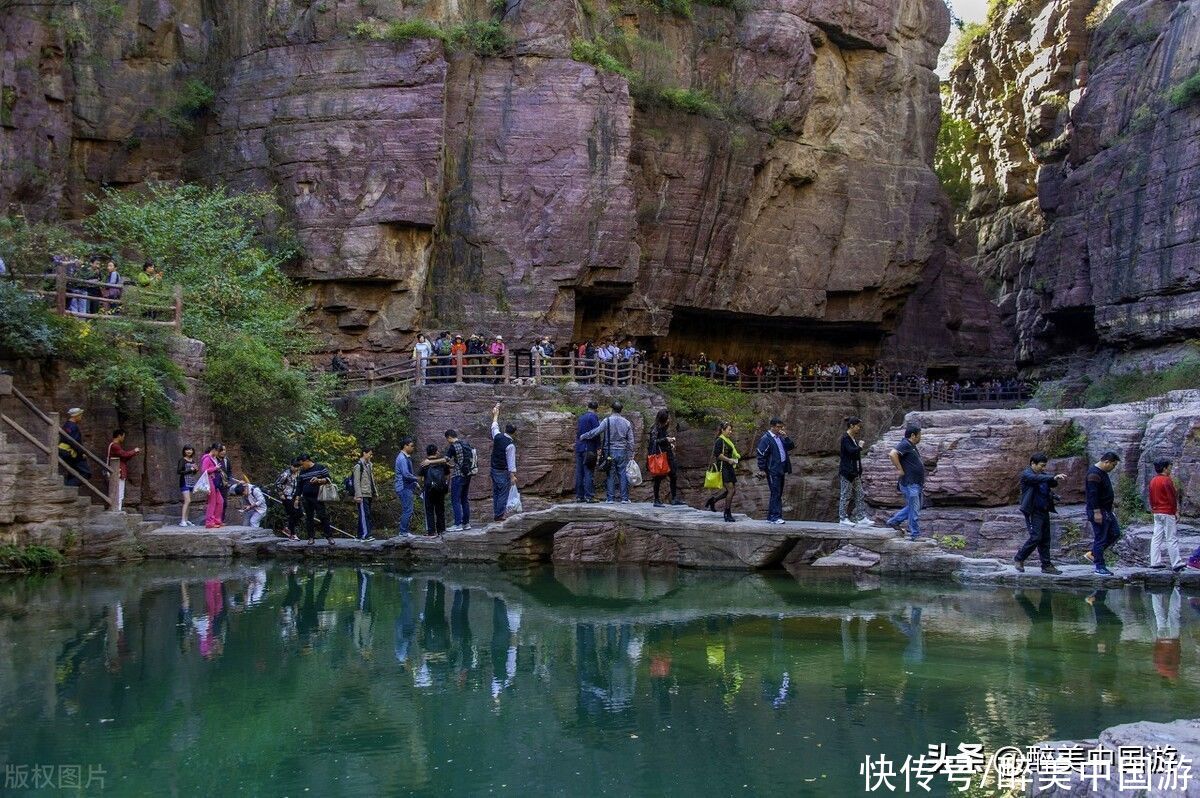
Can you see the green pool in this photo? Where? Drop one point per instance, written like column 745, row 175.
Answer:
column 218, row 679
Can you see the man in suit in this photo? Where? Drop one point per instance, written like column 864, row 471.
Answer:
column 774, row 461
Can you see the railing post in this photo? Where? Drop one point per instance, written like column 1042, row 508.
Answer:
column 178, row 308
column 52, row 440
column 571, row 364
column 114, row 483
column 504, row 372
column 60, row 288
column 458, row 366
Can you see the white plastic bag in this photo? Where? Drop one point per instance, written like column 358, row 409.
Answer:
column 202, row 487
column 514, row 501
column 633, row 472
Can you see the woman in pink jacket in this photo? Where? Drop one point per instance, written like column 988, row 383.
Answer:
column 209, row 464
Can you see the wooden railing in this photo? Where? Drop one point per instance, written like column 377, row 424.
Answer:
column 522, row 367
column 45, row 436
column 86, row 299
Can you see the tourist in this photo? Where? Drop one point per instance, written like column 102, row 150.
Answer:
column 113, row 285
column 422, row 351
column 662, row 442
column 725, row 458
column 906, row 458
column 1164, row 504
column 617, row 447
column 497, row 349
column 773, row 460
column 464, row 464
column 254, row 508
column 210, row 467
column 189, row 472
column 71, row 449
column 309, row 482
column 850, row 475
column 1037, row 502
column 503, row 464
column 117, row 451
column 363, row 477
column 405, row 485
column 1167, row 654
column 435, row 486
column 1099, row 492
column 585, row 454
column 441, row 354
column 149, row 276
column 285, row 485
column 458, row 352
column 226, row 481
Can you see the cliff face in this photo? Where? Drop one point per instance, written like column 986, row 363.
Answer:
column 528, row 192
column 1085, row 208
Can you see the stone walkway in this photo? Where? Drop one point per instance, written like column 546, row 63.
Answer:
column 680, row 536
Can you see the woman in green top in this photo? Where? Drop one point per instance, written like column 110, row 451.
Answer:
column 726, row 455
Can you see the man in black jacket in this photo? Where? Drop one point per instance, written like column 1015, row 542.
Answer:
column 1037, row 502
column 308, row 488
column 774, row 461
column 850, row 475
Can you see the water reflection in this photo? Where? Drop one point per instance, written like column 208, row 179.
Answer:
column 625, row 680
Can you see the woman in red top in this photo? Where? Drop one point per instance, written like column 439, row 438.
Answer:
column 117, row 450
column 1164, row 504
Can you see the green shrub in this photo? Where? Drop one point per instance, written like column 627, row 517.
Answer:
column 1070, row 441
column 29, row 558
column 381, row 420
column 966, row 37
column 28, row 328
column 195, row 99
column 1186, row 91
column 680, row 8
column 1129, row 505
column 482, row 38
column 596, row 53
column 403, row 30
column 705, row 402
column 957, row 542
column 691, row 101
column 952, row 158
column 1136, row 386
column 127, row 364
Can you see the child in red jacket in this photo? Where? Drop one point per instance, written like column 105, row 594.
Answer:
column 1164, row 504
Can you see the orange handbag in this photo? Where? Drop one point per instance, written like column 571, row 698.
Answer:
column 658, row 465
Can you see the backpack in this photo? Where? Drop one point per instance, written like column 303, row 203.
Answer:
column 348, row 484
column 435, row 478
column 469, row 460
column 443, row 346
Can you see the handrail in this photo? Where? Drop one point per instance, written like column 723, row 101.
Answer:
column 55, row 460
column 62, row 435
column 61, row 293
column 521, row 367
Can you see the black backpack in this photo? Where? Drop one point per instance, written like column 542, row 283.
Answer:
column 435, row 478
column 348, row 484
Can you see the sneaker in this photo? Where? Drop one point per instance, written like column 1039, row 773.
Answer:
column 1050, row 569
column 847, row 522
column 779, row 521
column 626, row 501
column 465, row 527
column 454, row 528
column 1019, row 565
column 895, row 526
column 1102, row 571
column 865, row 522
column 659, row 504
column 1178, row 568
column 678, row 503
column 913, row 537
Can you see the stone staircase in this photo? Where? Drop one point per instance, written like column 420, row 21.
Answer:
column 38, row 508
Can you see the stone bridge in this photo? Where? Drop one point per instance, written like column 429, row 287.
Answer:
column 667, row 536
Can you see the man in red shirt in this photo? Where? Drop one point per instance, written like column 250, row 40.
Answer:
column 117, row 451
column 1164, row 504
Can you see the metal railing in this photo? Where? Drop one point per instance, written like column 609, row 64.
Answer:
column 45, row 433
column 522, row 367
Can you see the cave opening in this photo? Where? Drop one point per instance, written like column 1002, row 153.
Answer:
column 1073, row 328
column 745, row 338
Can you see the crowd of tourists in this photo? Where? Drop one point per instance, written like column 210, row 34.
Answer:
column 96, row 285
column 608, row 447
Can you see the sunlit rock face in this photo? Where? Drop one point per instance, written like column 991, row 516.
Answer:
column 529, row 193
